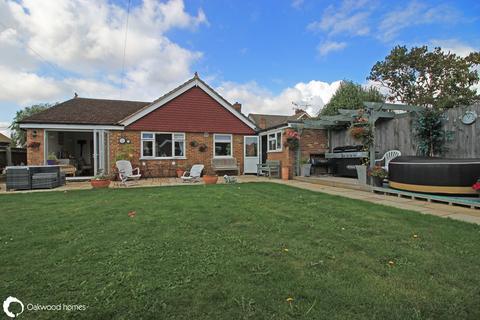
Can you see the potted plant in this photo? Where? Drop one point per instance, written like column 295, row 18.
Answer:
column 210, row 177
column 378, row 174
column 306, row 167
column 51, row 159
column 180, row 170
column 362, row 131
column 476, row 186
column 292, row 139
column 100, row 181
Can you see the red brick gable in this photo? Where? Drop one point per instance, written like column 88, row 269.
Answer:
column 192, row 111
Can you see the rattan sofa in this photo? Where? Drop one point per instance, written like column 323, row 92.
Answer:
column 34, row 177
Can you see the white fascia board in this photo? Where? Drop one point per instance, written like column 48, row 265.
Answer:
column 264, row 133
column 69, row 126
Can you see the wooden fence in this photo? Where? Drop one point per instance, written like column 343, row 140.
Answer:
column 398, row 134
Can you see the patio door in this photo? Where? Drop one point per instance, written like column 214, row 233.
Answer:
column 251, row 154
column 101, row 151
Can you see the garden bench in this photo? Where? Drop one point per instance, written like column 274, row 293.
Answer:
column 225, row 164
column 269, row 168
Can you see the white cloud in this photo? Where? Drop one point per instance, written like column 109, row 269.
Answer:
column 26, row 87
column 327, row 47
column 414, row 14
column 81, row 44
column 454, row 46
column 349, row 18
column 256, row 99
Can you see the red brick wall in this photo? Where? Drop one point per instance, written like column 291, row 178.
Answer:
column 35, row 156
column 312, row 141
column 165, row 167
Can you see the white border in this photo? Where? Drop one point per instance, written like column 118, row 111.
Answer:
column 142, row 157
column 281, row 141
column 231, row 145
column 245, row 151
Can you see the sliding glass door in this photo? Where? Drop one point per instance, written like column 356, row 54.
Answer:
column 101, row 151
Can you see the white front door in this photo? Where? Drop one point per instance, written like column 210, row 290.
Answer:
column 251, row 154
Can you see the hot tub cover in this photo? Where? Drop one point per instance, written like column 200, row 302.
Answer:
column 435, row 175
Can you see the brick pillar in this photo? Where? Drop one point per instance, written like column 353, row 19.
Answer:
column 35, row 147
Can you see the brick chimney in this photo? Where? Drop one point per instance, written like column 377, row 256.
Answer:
column 237, row 106
column 263, row 123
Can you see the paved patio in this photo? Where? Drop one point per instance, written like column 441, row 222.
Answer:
column 437, row 209
column 150, row 182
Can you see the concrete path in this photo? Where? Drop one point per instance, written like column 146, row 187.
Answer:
column 437, row 209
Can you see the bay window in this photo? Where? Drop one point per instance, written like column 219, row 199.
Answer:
column 275, row 141
column 163, row 145
column 222, row 145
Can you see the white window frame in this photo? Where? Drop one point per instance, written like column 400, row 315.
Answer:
column 154, row 149
column 276, row 141
column 215, row 141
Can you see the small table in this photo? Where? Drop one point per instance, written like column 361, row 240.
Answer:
column 68, row 169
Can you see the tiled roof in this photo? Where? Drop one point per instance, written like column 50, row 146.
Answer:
column 273, row 120
column 4, row 139
column 88, row 111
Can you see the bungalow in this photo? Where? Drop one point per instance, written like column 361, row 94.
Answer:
column 190, row 124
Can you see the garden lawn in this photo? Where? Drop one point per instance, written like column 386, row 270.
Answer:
column 234, row 252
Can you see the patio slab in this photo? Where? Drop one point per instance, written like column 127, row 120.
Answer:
column 151, row 182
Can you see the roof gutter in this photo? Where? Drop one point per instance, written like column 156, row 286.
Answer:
column 63, row 126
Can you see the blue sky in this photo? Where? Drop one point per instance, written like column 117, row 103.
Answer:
column 264, row 54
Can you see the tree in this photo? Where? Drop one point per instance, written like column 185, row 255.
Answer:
column 350, row 96
column 419, row 77
column 18, row 135
column 429, row 132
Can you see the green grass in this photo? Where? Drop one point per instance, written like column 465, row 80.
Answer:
column 218, row 252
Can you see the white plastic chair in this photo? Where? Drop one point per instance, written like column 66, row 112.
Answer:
column 194, row 174
column 125, row 171
column 389, row 156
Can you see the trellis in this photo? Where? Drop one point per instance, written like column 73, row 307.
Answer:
column 372, row 111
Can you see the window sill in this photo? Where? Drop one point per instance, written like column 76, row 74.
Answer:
column 275, row 151
column 222, row 157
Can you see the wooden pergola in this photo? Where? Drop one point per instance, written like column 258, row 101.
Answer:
column 372, row 111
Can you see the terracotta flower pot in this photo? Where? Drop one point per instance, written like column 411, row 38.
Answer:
column 180, row 172
column 100, row 184
column 285, row 173
column 210, row 179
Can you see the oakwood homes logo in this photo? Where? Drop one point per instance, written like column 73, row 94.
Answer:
column 6, row 307
column 10, row 304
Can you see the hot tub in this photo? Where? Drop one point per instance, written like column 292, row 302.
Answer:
column 434, row 175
